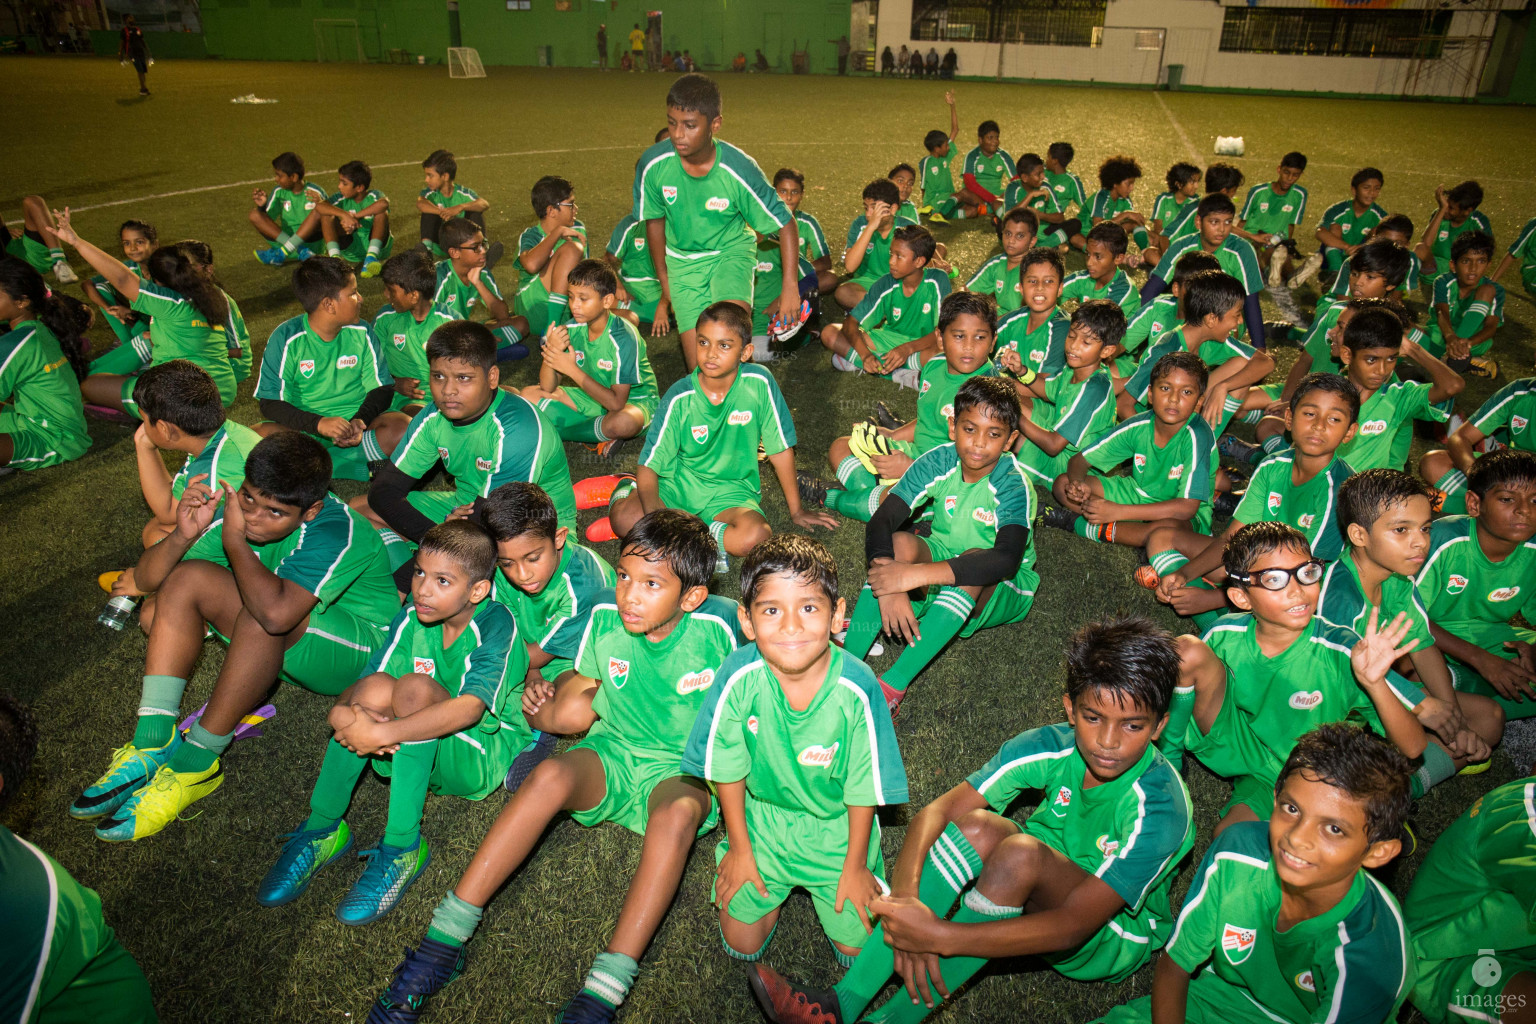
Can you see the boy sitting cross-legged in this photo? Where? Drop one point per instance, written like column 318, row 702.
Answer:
column 295, row 582
column 286, row 217
column 1270, row 214
column 649, row 654
column 1468, row 308
column 1102, row 277
column 790, row 186
column 1346, row 225
column 868, row 253
column 1083, row 885
column 1183, row 181
column 323, row 373
column 1036, row 333
column 404, row 324
column 444, row 200
column 355, row 220
column 1067, row 186
column 1071, row 409
column 1031, row 192
column 891, row 331
column 435, row 709
column 794, row 742
column 1286, row 918
column 612, row 395
column 1112, row 202
column 464, row 280
column 1262, row 678
column 546, row 252
column 977, row 568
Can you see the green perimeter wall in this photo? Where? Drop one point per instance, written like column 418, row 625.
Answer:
column 285, row 29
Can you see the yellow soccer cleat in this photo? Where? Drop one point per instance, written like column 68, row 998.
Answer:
column 108, row 579
column 160, row 803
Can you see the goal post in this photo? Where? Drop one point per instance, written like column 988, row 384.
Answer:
column 337, row 40
column 464, row 62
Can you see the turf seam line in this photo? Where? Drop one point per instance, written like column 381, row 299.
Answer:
column 1178, row 128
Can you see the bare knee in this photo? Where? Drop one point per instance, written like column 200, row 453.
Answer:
column 745, row 534
column 414, row 691
column 147, row 614
column 1016, row 860
column 984, row 830
column 1434, row 465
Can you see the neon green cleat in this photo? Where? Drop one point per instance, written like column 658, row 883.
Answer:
column 129, row 771
column 938, row 218
column 371, row 268
column 160, row 803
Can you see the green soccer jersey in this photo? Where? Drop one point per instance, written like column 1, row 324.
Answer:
column 530, row 239
column 888, row 304
column 222, row 459
column 509, row 441
column 328, row 378
column 1340, row 286
column 456, row 297
column 1311, row 507
column 711, row 214
column 460, row 196
column 555, row 618
column 1130, row 832
column 290, row 208
column 709, row 447
column 877, row 254
column 1211, row 353
column 1508, row 415
column 629, row 244
column 1351, row 963
column 337, row 556
column 1355, row 224
column 1080, row 411
column 1150, row 322
column 1267, row 211
column 1468, row 312
column 1446, row 237
column 356, row 205
column 1045, row 202
column 907, row 213
column 990, row 172
column 938, row 181
column 1068, row 188
column 1105, row 206
column 767, row 283
column 813, row 240
column 1184, row 467
column 1316, row 343
column 617, row 356
column 1184, row 222
column 838, row 752
column 1381, row 416
column 1523, row 248
column 650, row 692
column 1468, row 594
column 1167, row 207
column 969, row 515
column 1235, row 255
column 936, row 400
column 237, row 339
column 38, row 385
column 1342, row 602
column 178, row 330
column 997, row 279
column 1043, row 349
column 1083, row 288
column 403, row 341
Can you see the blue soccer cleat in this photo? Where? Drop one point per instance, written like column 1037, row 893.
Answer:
column 584, row 1009
column 128, row 772
column 421, row 975
column 302, row 253
column 272, row 256
column 304, row 855
column 390, row 871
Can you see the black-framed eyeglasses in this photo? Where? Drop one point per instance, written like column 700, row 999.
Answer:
column 569, row 202
column 1307, row 573
column 477, row 247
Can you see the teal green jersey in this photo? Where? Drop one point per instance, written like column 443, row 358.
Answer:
column 990, row 172
column 768, row 282
column 1183, row 223
column 1351, row 963
column 1342, row 602
column 1354, row 223
column 459, row 196
column 1184, row 467
column 1268, row 211
column 1083, row 288
column 1130, row 832
column 356, row 205
column 1381, row 416
column 969, row 515
column 813, row 240
column 1068, row 188
column 1446, row 237
column 1043, row 201
column 1235, row 255
column 337, row 556
column 178, row 330
column 531, row 237
column 222, row 459
column 554, row 619
column 1211, row 353
column 457, row 298
column 651, row 691
column 1105, row 206
column 403, row 340
column 1468, row 313
column 38, row 385
column 1167, row 207
column 488, row 661
column 1274, row 496
column 999, row 280
column 936, row 178
column 509, row 441
column 328, row 378
column 1043, row 349
column 1507, row 415
column 1523, row 249
column 710, row 214
column 877, row 253
column 1316, row 343
column 888, row 303
column 1469, row 594
column 907, row 213
column 708, row 446
column 1081, row 411
column 630, row 246
column 1149, row 323
column 936, row 389
column 617, row 356
column 1340, row 286
column 290, row 208
column 837, row 752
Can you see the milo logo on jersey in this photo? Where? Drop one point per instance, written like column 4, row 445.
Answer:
column 1177, row 472
column 984, row 516
column 618, row 672
column 1370, row 428
column 1304, row 522
column 739, row 417
column 423, row 666
column 717, row 204
column 1304, row 700
column 1504, row 594
column 483, row 465
column 1305, row 982
column 693, row 682
column 346, row 362
column 1107, row 846
column 307, row 367
column 605, row 364
column 1455, row 583
column 1237, row 943
column 818, row 756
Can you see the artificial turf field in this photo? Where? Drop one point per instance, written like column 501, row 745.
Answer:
column 186, row 160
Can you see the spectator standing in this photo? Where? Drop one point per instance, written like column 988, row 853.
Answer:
column 637, row 46
column 602, row 47
column 131, row 46
column 841, row 42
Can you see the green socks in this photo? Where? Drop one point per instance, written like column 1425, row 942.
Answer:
column 454, row 921
column 201, row 749
column 1273, row 444
column 333, row 249
column 610, row 978
column 397, row 548
column 1166, row 562
column 586, row 431
column 852, row 475
column 559, row 307
column 1103, row 533
column 864, row 624
column 623, row 489
column 1180, row 710
column 372, row 450
column 940, row 624
column 410, row 771
column 159, row 704
column 956, row 970
column 339, row 772
column 1454, row 486
column 1437, row 767
column 860, row 505
column 289, row 243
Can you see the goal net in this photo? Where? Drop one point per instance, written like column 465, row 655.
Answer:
column 464, row 62
column 338, row 40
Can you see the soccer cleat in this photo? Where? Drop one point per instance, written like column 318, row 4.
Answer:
column 937, row 218
column 585, row 1009
column 1226, row 502
column 493, row 254
column 387, row 875
column 1305, row 272
column 109, row 579
column 65, row 273
column 1482, row 366
column 128, row 772
column 784, row 1002
column 272, row 256
column 1277, row 267
column 371, row 268
column 595, row 491
column 160, row 803
column 812, row 489
column 302, row 253
column 1278, row 330
column 421, row 975
column 511, row 352
column 884, row 417
column 1147, row 577
column 893, row 696
column 1436, row 500
column 529, row 759
column 1476, row 769
column 1238, row 450
column 906, row 377
column 604, row 449
column 925, row 210
column 304, row 855
column 601, row 531
column 1056, row 517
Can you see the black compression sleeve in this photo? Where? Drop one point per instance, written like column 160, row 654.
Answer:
column 987, row 566
column 291, row 416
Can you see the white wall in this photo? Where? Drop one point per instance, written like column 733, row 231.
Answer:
column 1193, row 36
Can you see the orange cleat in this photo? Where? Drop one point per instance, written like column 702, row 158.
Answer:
column 596, row 490
column 601, row 531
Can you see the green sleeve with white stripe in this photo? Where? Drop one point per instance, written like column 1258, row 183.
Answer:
column 1096, row 392
column 717, row 749
column 1025, row 762
column 1199, row 927
column 778, row 428
column 497, row 666
column 1157, row 824
column 417, row 452
column 873, row 773
column 394, row 643
column 1116, row 446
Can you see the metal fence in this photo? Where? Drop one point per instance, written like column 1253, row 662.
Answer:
column 1034, row 22
column 1332, row 33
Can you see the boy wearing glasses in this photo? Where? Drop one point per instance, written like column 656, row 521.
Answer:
column 544, row 260
column 1260, row 679
column 464, row 281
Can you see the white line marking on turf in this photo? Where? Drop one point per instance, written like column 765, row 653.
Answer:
column 1178, row 128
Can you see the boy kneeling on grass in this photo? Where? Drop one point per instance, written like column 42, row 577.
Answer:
column 1084, row 884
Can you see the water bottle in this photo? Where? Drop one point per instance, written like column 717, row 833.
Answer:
column 118, row 612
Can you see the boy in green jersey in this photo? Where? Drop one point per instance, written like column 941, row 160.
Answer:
column 1152, row 321
column 998, row 277
column 1219, row 178
column 1101, row 277
column 1033, row 337
column 794, row 742
column 1468, row 307
column 941, row 202
column 1270, row 213
column 36, row 241
column 286, row 217
column 891, row 331
column 295, row 582
column 1523, row 251
column 1118, row 176
column 355, row 220
column 1285, row 918
column 464, row 280
column 1084, row 884
column 1456, row 211
column 629, row 255
column 701, row 451
column 977, row 567
column 870, row 236
column 1213, row 218
column 1385, row 516
column 546, row 252
column 987, row 171
column 1183, row 181
column 323, row 373
column 967, row 323
column 444, row 200
column 482, row 435
column 1030, row 191
column 139, row 239
column 1172, row 453
column 612, row 395
column 1067, row 186
column 42, row 420
column 62, row 961
column 403, row 325
column 650, row 652
column 1071, row 409
column 698, row 195
column 789, row 184
column 1504, row 420
column 1258, row 680
column 1396, row 228
column 1477, row 577
column 1348, row 224
column 1469, row 911
column 434, row 709
column 904, row 177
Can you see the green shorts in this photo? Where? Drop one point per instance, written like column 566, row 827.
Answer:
column 1211, row 1001
column 32, row 251
column 36, row 445
column 1449, row 990
column 110, row 987
column 437, row 505
column 333, row 651
column 1011, row 601
column 708, row 502
column 473, row 763
column 1466, row 679
column 356, row 249
column 700, row 283
column 532, row 301
column 556, row 668
column 797, row 850
column 1043, row 469
column 883, row 339
column 1107, row 955
column 642, row 298
column 587, row 409
column 346, row 463
column 630, row 779
column 1232, row 749
column 1122, row 490
column 399, row 402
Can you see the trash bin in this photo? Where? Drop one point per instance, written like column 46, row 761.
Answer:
column 546, row 55
column 1175, row 77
